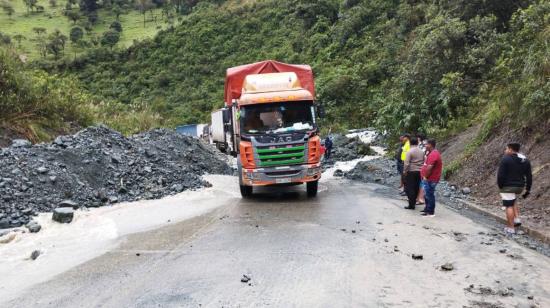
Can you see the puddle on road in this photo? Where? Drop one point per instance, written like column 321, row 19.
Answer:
column 96, row 231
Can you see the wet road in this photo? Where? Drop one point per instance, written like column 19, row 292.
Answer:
column 349, row 247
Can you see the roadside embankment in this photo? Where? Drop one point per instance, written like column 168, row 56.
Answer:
column 382, row 170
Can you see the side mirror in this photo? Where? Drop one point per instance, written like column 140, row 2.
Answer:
column 226, row 115
column 321, row 111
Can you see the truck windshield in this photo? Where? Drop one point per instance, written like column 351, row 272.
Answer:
column 277, row 117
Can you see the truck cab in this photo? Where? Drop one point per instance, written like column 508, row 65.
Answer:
column 274, row 130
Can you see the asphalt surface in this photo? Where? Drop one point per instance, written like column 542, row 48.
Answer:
column 351, row 246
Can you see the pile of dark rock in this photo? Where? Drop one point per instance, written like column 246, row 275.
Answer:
column 99, row 166
column 346, row 149
column 379, row 170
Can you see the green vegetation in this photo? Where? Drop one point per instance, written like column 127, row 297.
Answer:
column 34, row 102
column 38, row 105
column 20, row 19
column 402, row 65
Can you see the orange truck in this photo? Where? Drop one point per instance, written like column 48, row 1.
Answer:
column 270, row 118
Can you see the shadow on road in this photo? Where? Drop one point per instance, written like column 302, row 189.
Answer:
column 283, row 193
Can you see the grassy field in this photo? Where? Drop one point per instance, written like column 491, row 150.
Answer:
column 52, row 18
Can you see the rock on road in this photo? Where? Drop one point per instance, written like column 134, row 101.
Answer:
column 351, row 246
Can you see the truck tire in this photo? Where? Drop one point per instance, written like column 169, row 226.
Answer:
column 312, row 188
column 246, row 191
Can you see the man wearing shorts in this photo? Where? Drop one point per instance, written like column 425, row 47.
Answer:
column 514, row 174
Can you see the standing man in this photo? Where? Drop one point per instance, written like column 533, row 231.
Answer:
column 431, row 174
column 414, row 159
column 404, row 150
column 399, row 163
column 328, row 147
column 422, row 145
column 514, row 174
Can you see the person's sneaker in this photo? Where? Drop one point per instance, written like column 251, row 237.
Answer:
column 517, row 222
column 426, row 214
column 409, row 208
column 424, row 210
column 509, row 231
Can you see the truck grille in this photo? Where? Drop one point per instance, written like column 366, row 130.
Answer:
column 281, row 155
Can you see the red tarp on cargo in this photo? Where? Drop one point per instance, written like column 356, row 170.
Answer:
column 235, row 76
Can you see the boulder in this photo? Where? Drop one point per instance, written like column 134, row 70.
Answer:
column 4, row 223
column 68, row 203
column 33, row 226
column 21, row 143
column 42, row 170
column 35, row 254
column 63, row 215
column 466, row 190
column 447, row 267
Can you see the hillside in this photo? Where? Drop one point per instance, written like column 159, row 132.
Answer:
column 399, row 64
column 22, row 25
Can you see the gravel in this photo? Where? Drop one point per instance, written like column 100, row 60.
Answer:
column 99, row 166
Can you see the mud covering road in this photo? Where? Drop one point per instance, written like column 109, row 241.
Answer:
column 351, row 246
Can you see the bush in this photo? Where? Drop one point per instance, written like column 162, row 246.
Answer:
column 34, row 101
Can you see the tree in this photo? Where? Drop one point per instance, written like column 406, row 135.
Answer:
column 8, row 9
column 56, row 43
column 88, row 6
column 30, row 4
column 39, row 30
column 76, row 39
column 5, row 39
column 115, row 25
column 93, row 17
column 117, row 10
column 110, row 38
column 143, row 6
column 19, row 38
column 73, row 16
column 76, row 34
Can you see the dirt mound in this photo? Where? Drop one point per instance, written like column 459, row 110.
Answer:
column 479, row 171
column 99, row 166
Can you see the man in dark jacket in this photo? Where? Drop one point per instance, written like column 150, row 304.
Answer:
column 514, row 174
column 328, row 147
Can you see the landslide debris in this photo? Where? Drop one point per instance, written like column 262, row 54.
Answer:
column 99, row 166
column 346, row 149
column 380, row 170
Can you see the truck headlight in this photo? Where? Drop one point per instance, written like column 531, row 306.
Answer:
column 313, row 171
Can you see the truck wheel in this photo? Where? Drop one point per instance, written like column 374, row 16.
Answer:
column 246, row 191
column 312, row 188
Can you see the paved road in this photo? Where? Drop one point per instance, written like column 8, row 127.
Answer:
column 349, row 247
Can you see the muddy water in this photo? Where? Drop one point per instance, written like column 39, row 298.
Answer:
column 96, row 231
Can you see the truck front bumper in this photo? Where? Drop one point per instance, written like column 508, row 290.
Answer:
column 294, row 174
